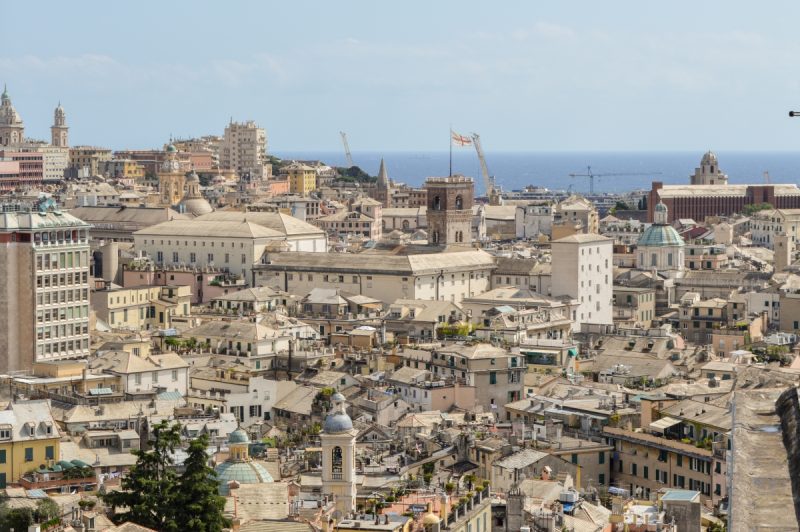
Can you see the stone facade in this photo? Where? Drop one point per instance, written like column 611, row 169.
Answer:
column 449, row 211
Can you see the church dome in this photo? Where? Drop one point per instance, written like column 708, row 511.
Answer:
column 238, row 436
column 241, row 472
column 172, row 149
column 193, row 177
column 337, row 420
column 660, row 235
column 335, row 423
column 709, row 158
column 197, row 206
column 660, row 207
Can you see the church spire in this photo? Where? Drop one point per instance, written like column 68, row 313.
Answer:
column 383, row 176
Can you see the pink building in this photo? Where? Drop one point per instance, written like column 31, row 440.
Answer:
column 30, row 169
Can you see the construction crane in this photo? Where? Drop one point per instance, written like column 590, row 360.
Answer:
column 488, row 180
column 591, row 175
column 347, row 150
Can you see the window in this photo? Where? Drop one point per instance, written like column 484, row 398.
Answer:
column 574, row 458
column 29, row 454
column 155, row 377
column 174, row 375
column 662, row 456
column 601, row 479
column 137, row 378
column 646, row 472
column 49, row 452
column 601, row 457
column 492, row 377
column 633, row 469
column 3, row 456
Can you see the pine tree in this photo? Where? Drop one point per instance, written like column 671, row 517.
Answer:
column 200, row 507
column 150, row 490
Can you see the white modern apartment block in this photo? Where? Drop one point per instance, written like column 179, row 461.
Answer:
column 44, row 291
column 244, row 149
column 583, row 270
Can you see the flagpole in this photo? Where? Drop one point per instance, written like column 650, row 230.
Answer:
column 450, row 140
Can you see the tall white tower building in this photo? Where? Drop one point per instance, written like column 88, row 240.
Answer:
column 339, row 456
column 583, row 270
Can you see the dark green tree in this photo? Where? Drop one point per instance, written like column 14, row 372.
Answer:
column 150, row 490
column 200, row 506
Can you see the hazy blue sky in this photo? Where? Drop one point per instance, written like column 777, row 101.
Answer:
column 530, row 75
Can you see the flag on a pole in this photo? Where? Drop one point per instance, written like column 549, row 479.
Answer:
column 459, row 140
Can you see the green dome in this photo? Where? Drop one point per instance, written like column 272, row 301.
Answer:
column 241, row 472
column 660, row 236
column 171, row 149
column 238, row 436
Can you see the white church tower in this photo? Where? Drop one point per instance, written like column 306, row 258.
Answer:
column 339, row 457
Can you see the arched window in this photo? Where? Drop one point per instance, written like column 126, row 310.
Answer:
column 406, row 225
column 653, row 260
column 336, row 463
column 437, row 203
column 459, row 203
column 435, row 237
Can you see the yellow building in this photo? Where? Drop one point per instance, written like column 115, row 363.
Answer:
column 302, row 179
column 122, row 169
column 141, row 308
column 28, row 438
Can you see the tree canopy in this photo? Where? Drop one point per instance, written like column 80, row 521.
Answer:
column 154, row 496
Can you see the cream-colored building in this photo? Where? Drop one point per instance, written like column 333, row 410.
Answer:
column 766, row 225
column 448, row 276
column 244, row 149
column 228, row 240
column 88, row 158
column 141, row 308
column 44, row 293
column 576, row 210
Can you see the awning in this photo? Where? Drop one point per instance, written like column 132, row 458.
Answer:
column 663, row 424
column 573, row 352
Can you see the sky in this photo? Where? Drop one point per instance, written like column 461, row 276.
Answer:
column 526, row 75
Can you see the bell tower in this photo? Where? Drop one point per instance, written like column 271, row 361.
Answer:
column 59, row 132
column 338, row 441
column 450, row 210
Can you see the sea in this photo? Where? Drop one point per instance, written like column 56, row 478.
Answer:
column 516, row 170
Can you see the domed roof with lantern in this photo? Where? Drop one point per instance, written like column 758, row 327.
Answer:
column 239, row 469
column 337, row 420
column 709, row 158
column 660, row 234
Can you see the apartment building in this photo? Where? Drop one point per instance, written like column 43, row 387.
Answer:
column 44, row 264
column 87, row 159
column 29, row 437
column 766, row 225
column 141, row 308
column 583, row 271
column 244, row 149
column 495, row 373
